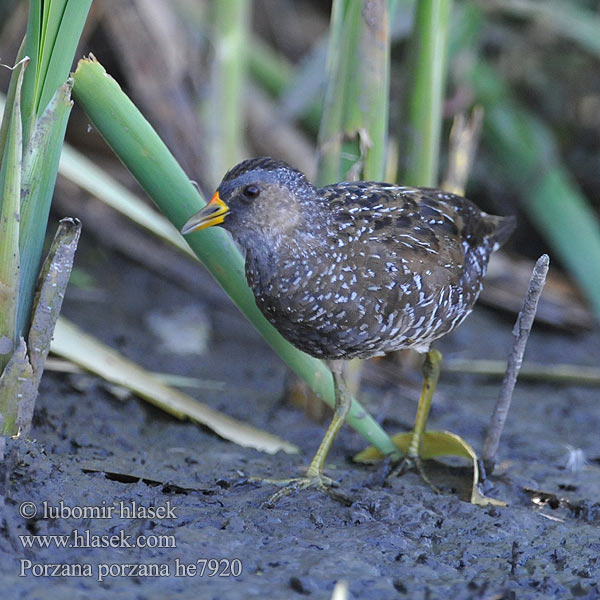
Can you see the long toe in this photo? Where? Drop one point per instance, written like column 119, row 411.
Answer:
column 320, row 482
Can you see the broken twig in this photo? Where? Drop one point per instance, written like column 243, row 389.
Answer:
column 515, row 359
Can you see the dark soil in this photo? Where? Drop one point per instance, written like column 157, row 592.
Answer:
column 398, row 540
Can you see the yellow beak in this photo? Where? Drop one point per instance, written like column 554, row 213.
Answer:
column 212, row 214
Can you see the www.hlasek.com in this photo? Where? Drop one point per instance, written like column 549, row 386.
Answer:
column 84, row 538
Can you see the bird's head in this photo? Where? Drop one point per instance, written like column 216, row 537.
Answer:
column 258, row 197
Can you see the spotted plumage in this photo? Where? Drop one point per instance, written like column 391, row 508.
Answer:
column 357, row 269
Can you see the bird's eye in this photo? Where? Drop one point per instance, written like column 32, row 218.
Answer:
column 251, row 191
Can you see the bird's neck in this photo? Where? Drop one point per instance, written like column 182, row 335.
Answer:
column 275, row 245
column 290, row 229
column 268, row 252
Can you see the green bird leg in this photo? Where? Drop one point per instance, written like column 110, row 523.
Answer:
column 314, row 477
column 431, row 374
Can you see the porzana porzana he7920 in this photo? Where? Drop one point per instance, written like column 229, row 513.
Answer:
column 355, row 269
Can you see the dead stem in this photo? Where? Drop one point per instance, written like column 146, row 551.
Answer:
column 515, row 359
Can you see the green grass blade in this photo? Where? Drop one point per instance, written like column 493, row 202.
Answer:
column 375, row 87
column 54, row 28
column 277, row 75
column 6, row 107
column 40, row 167
column 53, row 32
column 32, row 50
column 143, row 153
column 65, row 28
column 341, row 60
column 225, row 107
column 356, row 100
column 423, row 123
column 10, row 200
column 52, row 13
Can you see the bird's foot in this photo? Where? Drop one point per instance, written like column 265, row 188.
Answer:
column 309, row 481
column 414, row 463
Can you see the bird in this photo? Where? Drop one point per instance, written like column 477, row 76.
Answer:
column 354, row 270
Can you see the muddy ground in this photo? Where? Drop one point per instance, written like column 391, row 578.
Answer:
column 91, row 448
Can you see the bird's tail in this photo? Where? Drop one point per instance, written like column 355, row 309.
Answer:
column 503, row 227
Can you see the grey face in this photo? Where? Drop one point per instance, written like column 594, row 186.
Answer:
column 261, row 198
column 264, row 202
